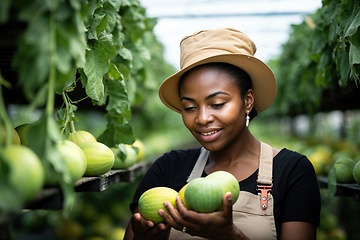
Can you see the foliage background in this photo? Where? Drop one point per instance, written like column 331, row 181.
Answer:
column 107, row 60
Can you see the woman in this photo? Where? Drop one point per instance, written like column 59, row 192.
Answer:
column 220, row 87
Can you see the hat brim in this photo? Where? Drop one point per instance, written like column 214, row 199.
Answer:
column 263, row 80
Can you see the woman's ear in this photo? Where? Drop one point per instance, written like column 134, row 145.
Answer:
column 249, row 100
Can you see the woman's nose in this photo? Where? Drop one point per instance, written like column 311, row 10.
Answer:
column 204, row 116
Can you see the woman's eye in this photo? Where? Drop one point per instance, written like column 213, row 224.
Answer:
column 189, row 109
column 217, row 105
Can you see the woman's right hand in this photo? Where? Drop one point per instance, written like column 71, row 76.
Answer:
column 143, row 229
column 216, row 225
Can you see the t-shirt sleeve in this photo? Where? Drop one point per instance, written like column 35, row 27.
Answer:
column 154, row 177
column 170, row 170
column 302, row 199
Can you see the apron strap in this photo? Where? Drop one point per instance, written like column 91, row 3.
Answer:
column 264, row 181
column 265, row 166
column 199, row 165
column 266, row 162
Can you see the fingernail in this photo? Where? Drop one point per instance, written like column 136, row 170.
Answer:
column 229, row 198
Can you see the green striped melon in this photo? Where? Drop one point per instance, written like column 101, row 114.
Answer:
column 99, row 157
column 153, row 199
column 81, row 136
column 203, row 195
column 182, row 195
column 228, row 182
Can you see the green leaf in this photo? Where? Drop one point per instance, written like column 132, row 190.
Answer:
column 97, row 65
column 129, row 2
column 118, row 98
column 45, row 131
column 116, row 131
column 354, row 58
column 122, row 152
column 114, row 73
column 87, row 12
column 347, row 17
column 66, row 115
column 126, row 54
column 116, row 4
column 142, row 54
column 65, row 80
column 77, row 42
column 342, row 62
column 39, row 99
column 118, row 35
column 63, row 61
column 71, row 38
column 353, row 28
column 36, row 8
column 102, row 21
column 33, row 55
column 112, row 14
column 98, row 25
column 119, row 113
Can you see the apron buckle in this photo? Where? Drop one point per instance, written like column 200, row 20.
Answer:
column 264, row 192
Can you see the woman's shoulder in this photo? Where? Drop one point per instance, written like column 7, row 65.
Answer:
column 288, row 153
column 176, row 158
column 290, row 159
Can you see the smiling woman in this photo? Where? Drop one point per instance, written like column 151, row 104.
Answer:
column 205, row 113
column 221, row 86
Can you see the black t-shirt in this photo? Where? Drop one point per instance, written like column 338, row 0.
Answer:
column 295, row 188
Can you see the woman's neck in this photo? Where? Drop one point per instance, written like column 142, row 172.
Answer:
column 241, row 158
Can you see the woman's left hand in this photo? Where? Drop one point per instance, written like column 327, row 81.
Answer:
column 215, row 225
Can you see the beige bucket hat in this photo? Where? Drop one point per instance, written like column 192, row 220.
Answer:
column 221, row 45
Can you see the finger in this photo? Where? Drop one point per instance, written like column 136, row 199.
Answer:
column 137, row 217
column 189, row 218
column 136, row 220
column 172, row 217
column 157, row 229
column 146, row 229
column 162, row 226
column 179, row 205
column 185, row 214
column 227, row 203
column 140, row 223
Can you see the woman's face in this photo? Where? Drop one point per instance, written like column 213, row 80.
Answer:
column 212, row 108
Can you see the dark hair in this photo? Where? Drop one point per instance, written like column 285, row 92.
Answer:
column 240, row 78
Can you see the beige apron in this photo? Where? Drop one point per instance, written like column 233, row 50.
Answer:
column 252, row 214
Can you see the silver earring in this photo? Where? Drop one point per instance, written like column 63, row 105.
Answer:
column 247, row 120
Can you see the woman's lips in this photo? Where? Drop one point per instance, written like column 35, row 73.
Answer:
column 209, row 136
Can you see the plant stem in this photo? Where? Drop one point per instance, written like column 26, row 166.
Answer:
column 52, row 71
column 72, row 127
column 67, row 112
column 5, row 118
